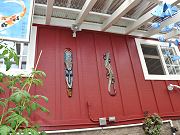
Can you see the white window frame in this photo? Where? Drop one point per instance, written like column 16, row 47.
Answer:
column 148, row 76
column 30, row 57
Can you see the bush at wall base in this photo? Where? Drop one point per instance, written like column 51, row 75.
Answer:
column 17, row 107
column 152, row 124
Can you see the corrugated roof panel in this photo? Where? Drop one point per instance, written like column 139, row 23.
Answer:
column 77, row 4
column 41, row 1
column 99, row 6
column 60, row 3
column 123, row 23
column 41, row 11
column 95, row 19
column 64, row 14
column 114, row 6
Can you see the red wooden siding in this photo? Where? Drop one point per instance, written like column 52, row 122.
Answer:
column 90, row 99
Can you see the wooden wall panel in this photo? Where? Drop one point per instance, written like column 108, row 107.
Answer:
column 112, row 105
column 127, row 83
column 144, row 87
column 90, row 99
column 88, row 77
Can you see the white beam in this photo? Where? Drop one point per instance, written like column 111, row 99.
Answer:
column 107, row 5
column 85, row 25
column 137, row 13
column 144, row 19
column 167, row 22
column 120, row 12
column 172, row 34
column 49, row 11
column 72, row 10
column 85, row 11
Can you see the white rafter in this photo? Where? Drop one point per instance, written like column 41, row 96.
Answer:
column 49, row 11
column 167, row 22
column 120, row 12
column 107, row 5
column 85, row 11
column 144, row 19
column 85, row 25
column 72, row 10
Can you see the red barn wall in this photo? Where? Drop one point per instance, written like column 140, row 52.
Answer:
column 90, row 99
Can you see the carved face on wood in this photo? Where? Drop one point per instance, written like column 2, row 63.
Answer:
column 68, row 70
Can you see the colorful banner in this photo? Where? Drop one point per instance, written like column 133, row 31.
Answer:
column 16, row 19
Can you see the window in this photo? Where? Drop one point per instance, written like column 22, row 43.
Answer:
column 156, row 60
column 26, row 53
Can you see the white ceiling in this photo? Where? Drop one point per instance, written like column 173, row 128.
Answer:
column 131, row 17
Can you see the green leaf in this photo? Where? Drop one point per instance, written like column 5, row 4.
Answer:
column 8, row 63
column 16, row 59
column 16, row 117
column 28, row 109
column 26, row 131
column 5, row 52
column 26, row 94
column 43, row 97
column 37, row 81
column 43, row 109
column 1, row 46
column 6, row 130
column 3, row 104
column 1, row 77
column 43, row 133
column 2, row 56
column 11, row 55
column 1, row 90
column 34, row 106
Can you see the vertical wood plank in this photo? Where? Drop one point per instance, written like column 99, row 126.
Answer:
column 125, row 76
column 70, row 105
column 112, row 105
column 144, row 86
column 88, row 76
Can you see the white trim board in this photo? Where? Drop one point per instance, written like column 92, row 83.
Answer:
column 147, row 76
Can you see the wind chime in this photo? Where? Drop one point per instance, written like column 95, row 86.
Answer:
column 164, row 11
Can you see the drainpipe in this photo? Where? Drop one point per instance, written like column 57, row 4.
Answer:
column 110, row 127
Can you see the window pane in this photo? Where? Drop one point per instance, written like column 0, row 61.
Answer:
column 149, row 50
column 18, row 49
column 152, row 59
column 154, row 66
column 25, row 49
column 23, row 62
column 172, row 66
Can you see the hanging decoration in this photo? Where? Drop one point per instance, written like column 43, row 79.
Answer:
column 68, row 70
column 164, row 11
column 109, row 74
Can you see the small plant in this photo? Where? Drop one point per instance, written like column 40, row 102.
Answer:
column 17, row 108
column 152, row 124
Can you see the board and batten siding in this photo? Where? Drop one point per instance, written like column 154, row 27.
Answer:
column 90, row 99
